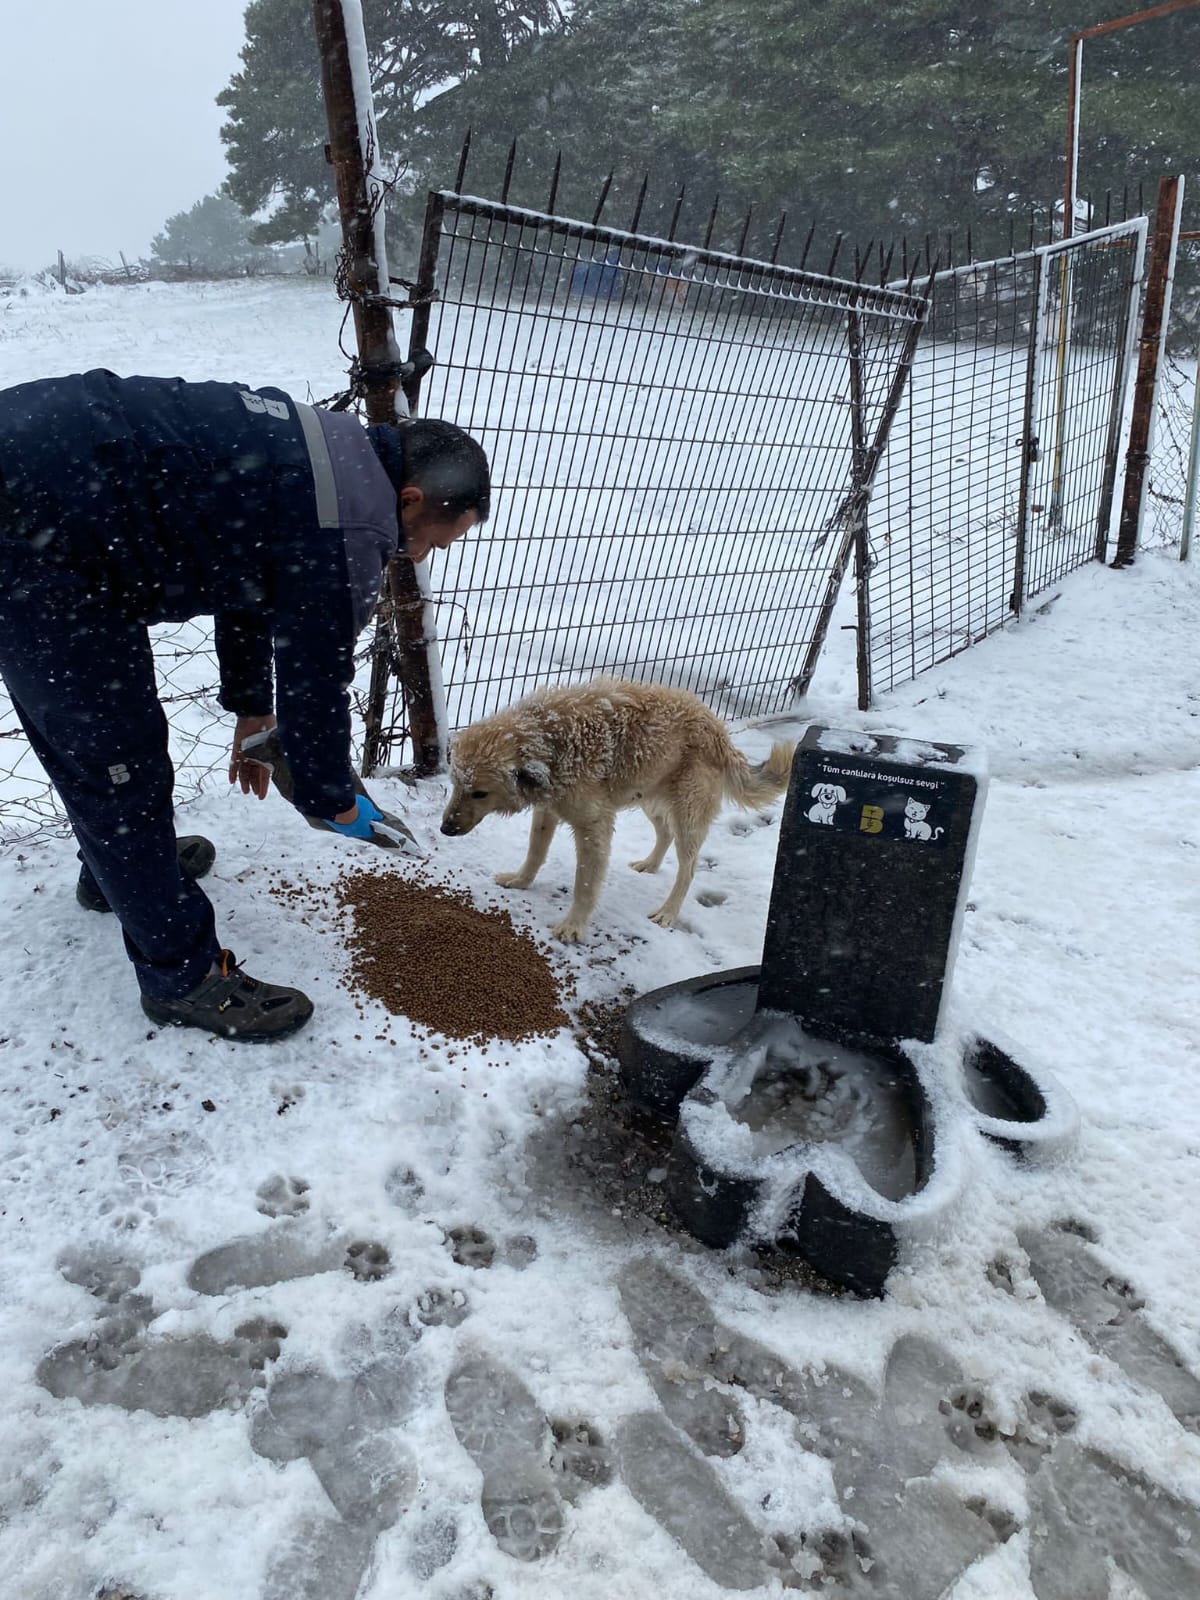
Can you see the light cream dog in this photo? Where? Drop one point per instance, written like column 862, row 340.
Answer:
column 581, row 754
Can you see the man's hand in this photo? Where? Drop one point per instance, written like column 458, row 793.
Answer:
column 254, row 776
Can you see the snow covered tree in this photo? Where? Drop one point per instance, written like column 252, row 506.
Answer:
column 213, row 237
column 923, row 113
column 916, row 116
column 594, row 90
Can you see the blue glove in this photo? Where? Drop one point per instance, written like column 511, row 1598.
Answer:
column 373, row 825
column 360, row 828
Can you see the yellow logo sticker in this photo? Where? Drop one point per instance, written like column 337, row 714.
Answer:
column 871, row 820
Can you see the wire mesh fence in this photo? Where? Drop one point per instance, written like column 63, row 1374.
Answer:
column 683, row 441
column 677, row 438
column 1000, row 471
column 1081, row 357
column 199, row 734
column 674, row 436
column 1166, row 488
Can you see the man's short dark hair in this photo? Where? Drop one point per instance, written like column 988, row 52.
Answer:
column 448, row 466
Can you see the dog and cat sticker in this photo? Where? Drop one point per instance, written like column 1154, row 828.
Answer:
column 858, row 802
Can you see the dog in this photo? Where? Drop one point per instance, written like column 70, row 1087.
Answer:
column 829, row 796
column 581, row 753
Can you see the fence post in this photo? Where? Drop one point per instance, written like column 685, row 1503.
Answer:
column 424, row 293
column 352, row 152
column 862, row 566
column 1193, row 472
column 1159, row 275
column 1120, row 395
column 410, row 619
column 1030, row 447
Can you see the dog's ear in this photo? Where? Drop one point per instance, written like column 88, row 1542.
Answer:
column 816, row 789
column 841, row 794
column 533, row 778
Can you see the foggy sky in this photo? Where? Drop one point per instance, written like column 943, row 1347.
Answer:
column 107, row 120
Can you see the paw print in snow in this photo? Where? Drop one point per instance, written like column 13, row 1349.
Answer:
column 368, row 1262
column 471, row 1247
column 580, row 1459
column 442, row 1308
column 282, row 1197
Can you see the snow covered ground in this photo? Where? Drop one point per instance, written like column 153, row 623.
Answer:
column 342, row 1317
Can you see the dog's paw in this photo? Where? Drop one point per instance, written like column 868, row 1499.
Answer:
column 569, row 930
column 664, row 917
column 648, row 865
column 513, row 880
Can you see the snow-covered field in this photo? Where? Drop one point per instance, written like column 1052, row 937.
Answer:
column 644, row 1418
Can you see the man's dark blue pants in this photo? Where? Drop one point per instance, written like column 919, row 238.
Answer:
column 81, row 677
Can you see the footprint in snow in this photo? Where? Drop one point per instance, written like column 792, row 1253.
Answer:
column 290, row 1250
column 118, row 1364
column 527, row 1467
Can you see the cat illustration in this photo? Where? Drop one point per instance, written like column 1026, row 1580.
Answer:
column 915, row 826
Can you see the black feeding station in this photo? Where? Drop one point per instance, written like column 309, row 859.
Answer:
column 815, row 1105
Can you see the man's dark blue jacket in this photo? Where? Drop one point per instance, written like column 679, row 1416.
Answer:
column 179, row 499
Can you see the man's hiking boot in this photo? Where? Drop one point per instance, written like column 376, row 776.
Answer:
column 235, row 1005
column 196, row 856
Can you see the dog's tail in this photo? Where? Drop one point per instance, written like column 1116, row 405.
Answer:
column 756, row 786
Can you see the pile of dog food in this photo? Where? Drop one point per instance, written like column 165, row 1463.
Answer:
column 430, row 954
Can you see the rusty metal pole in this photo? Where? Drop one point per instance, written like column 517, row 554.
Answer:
column 351, row 129
column 1163, row 243
column 405, row 614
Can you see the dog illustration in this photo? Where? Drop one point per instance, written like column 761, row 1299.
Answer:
column 582, row 753
column 829, row 796
column 915, row 826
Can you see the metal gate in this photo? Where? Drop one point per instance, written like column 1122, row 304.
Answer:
column 682, row 442
column 1000, row 471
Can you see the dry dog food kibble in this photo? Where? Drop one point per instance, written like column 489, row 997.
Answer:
column 427, row 953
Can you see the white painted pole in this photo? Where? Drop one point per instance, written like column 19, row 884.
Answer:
column 1193, row 470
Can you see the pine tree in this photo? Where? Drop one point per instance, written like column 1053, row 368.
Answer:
column 213, row 237
column 276, row 129
column 913, row 116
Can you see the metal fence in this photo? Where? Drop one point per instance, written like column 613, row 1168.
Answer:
column 683, row 443
column 680, row 439
column 1001, row 467
column 1167, row 481
column 199, row 735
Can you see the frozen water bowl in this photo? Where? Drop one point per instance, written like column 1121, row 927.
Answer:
column 668, row 1036
column 815, row 1146
column 833, row 1149
column 1030, row 1115
column 806, row 1144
